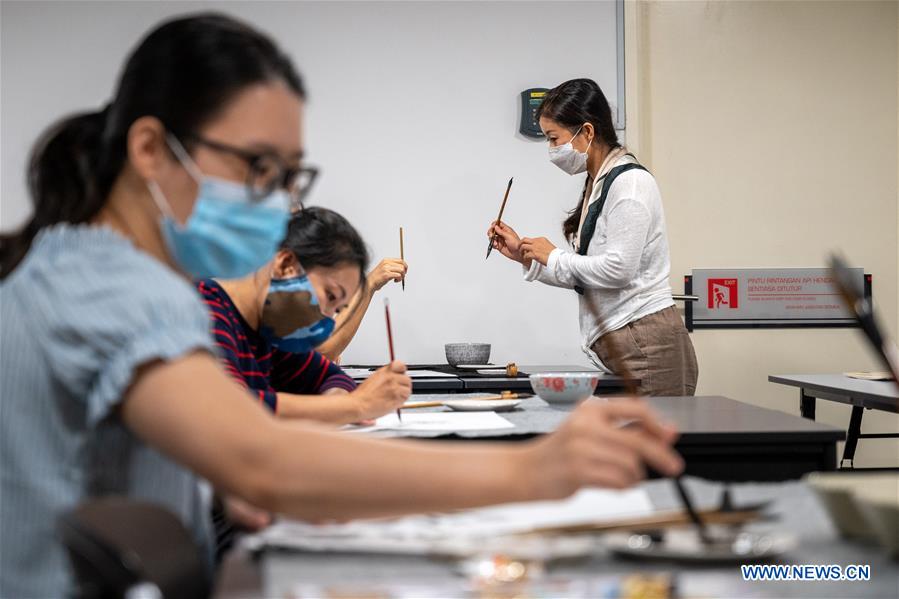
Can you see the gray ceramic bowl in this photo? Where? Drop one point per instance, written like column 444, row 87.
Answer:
column 564, row 387
column 467, row 353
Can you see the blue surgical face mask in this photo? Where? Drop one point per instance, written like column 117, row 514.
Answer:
column 227, row 235
column 292, row 320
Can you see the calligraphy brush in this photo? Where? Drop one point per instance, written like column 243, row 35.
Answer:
column 403, row 258
column 499, row 218
column 390, row 342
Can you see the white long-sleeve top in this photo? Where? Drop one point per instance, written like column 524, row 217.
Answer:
column 625, row 272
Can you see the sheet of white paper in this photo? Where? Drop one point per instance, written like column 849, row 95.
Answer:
column 364, row 373
column 457, row 531
column 357, row 373
column 429, row 397
column 436, row 421
column 430, row 374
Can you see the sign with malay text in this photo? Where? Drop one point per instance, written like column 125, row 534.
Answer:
column 769, row 297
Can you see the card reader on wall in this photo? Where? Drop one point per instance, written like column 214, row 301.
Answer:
column 531, row 99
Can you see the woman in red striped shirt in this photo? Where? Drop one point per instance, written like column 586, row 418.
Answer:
column 267, row 325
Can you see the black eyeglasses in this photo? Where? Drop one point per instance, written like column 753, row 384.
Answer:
column 268, row 172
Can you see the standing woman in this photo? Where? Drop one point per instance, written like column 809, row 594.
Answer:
column 618, row 262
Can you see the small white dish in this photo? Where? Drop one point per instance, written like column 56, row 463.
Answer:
column 476, row 366
column 481, row 405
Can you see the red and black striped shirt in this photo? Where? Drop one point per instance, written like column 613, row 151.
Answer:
column 258, row 366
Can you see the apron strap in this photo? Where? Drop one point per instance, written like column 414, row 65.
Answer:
column 595, row 210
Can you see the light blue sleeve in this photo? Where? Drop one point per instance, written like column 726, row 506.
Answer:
column 116, row 318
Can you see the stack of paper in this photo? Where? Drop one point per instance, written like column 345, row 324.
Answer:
column 454, row 532
column 877, row 375
column 358, row 373
column 447, row 422
column 364, row 373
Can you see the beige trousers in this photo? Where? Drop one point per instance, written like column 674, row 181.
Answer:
column 655, row 349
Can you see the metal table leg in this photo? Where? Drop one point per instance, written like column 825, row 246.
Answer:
column 855, row 429
column 806, row 405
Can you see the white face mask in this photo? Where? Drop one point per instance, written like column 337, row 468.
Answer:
column 567, row 158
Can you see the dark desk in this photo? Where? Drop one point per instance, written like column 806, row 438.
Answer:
column 469, row 381
column 721, row 439
column 727, row 440
column 860, row 394
column 278, row 574
column 441, row 385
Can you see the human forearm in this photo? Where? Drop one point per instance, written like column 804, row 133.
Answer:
column 537, row 272
column 335, row 406
column 190, row 411
column 304, row 469
column 610, row 270
column 389, row 477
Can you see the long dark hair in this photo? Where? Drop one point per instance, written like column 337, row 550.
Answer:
column 319, row 237
column 184, row 73
column 571, row 104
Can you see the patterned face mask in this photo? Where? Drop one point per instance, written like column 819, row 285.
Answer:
column 291, row 317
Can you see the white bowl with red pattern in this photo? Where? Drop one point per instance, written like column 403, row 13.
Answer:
column 564, row 387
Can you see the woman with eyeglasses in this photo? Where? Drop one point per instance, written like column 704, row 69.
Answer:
column 108, row 375
column 618, row 262
column 267, row 325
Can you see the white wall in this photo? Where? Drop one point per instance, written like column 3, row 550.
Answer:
column 772, row 130
column 413, row 119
